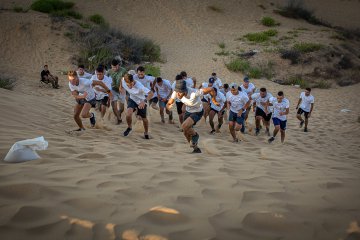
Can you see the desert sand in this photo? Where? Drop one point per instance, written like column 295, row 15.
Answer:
column 100, row 185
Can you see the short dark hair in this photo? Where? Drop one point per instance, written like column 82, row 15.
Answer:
column 309, row 89
column 178, row 77
column 158, row 79
column 280, row 93
column 262, row 89
column 100, row 68
column 183, row 74
column 45, row 65
column 213, row 74
column 128, row 77
column 81, row 66
column 115, row 62
column 140, row 69
column 226, row 85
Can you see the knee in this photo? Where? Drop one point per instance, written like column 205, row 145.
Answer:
column 83, row 115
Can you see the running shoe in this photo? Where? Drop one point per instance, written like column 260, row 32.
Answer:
column 271, row 139
column 194, row 140
column 92, row 120
column 127, row 131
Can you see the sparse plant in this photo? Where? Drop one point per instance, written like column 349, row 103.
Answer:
column 292, row 55
column 268, row 21
column 323, row 84
column 7, row 83
column 223, row 53
column 238, row 65
column 295, row 9
column 307, row 47
column 297, row 80
column 66, row 13
column 48, row 6
column 221, row 45
column 97, row 19
column 85, row 25
column 152, row 70
column 215, row 8
column 261, row 36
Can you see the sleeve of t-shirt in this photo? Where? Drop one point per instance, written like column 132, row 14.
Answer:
column 151, row 78
column 287, row 104
column 219, row 82
column 71, row 87
column 167, row 84
column 301, row 95
column 246, row 98
column 228, row 96
column 223, row 98
column 144, row 89
column 312, row 100
column 254, row 96
column 173, row 95
column 199, row 92
column 93, row 77
column 87, row 82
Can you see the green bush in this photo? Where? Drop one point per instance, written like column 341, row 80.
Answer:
column 223, row 53
column 261, row 36
column 66, row 13
column 307, row 47
column 85, row 25
column 97, row 19
column 151, row 51
column 268, row 21
column 7, row 83
column 152, row 70
column 297, row 80
column 295, row 9
column 238, row 65
column 48, row 6
column 254, row 72
column 221, row 45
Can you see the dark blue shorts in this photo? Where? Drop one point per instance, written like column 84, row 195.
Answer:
column 301, row 111
column 278, row 122
column 162, row 104
column 204, row 100
column 83, row 101
column 233, row 117
column 194, row 116
column 217, row 112
column 133, row 105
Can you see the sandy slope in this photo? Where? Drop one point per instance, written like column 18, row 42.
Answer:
column 102, row 186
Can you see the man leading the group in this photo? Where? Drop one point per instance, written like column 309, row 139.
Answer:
column 102, row 96
column 262, row 109
column 191, row 98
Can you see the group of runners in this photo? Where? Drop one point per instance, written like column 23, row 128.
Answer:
column 119, row 87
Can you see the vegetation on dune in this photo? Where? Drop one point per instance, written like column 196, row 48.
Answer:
column 261, row 36
column 7, row 83
column 97, row 19
column 307, row 47
column 49, row 6
column 269, row 22
column 152, row 70
column 244, row 66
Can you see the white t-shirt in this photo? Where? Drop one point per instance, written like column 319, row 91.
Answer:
column 205, row 85
column 237, row 102
column 107, row 81
column 137, row 92
column 248, row 90
column 217, row 83
column 86, row 75
column 220, row 98
column 192, row 100
column 189, row 82
column 173, row 88
column 165, row 89
column 279, row 107
column 261, row 100
column 146, row 81
column 84, row 86
column 306, row 102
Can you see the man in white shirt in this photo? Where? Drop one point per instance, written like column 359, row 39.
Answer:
column 190, row 81
column 163, row 90
column 81, row 72
column 179, row 104
column 237, row 102
column 206, row 98
column 84, row 94
column 191, row 98
column 148, row 82
column 218, row 84
column 280, row 110
column 102, row 96
column 248, row 88
column 219, row 110
column 138, row 94
column 262, row 109
column 306, row 107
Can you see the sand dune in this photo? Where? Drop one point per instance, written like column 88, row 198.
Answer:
column 100, row 185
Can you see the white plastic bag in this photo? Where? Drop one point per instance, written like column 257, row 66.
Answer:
column 25, row 150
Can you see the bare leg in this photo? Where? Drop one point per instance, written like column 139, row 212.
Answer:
column 299, row 117
column 211, row 119
column 306, row 122
column 116, row 111
column 146, row 125
column 162, row 114
column 282, row 135
column 232, row 130
column 276, row 130
column 129, row 117
column 103, row 110
column 77, row 110
column 187, row 128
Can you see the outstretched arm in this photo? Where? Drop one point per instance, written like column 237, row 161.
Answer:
column 212, row 93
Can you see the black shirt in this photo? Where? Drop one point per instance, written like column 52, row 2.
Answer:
column 44, row 73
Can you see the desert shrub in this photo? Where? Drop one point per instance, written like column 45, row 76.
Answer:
column 152, row 70
column 97, row 19
column 238, row 65
column 100, row 45
column 48, row 6
column 292, row 55
column 7, row 83
column 254, row 72
column 297, row 80
column 66, row 13
column 85, row 25
column 295, row 9
column 261, row 36
column 323, row 84
column 268, row 21
column 345, row 63
column 221, row 45
column 307, row 47
column 223, row 53
column 215, row 8
column 18, row 9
